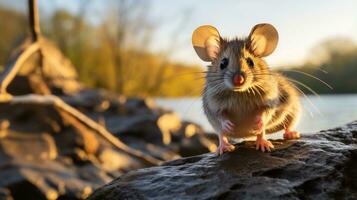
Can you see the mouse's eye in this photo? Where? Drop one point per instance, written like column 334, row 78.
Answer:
column 224, row 63
column 250, row 62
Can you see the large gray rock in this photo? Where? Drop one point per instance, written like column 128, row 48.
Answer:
column 47, row 153
column 319, row 166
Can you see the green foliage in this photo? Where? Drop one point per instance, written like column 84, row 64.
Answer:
column 13, row 28
column 106, row 58
column 336, row 65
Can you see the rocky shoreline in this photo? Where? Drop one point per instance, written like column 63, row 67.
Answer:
column 48, row 153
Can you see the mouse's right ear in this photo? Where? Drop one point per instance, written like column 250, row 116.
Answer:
column 263, row 39
column 206, row 42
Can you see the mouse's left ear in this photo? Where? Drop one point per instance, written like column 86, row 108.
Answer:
column 263, row 39
column 206, row 42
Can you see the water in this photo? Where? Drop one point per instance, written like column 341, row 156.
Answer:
column 329, row 111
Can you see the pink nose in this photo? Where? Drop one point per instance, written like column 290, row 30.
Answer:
column 238, row 79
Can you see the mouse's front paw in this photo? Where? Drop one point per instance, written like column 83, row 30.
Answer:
column 227, row 126
column 263, row 144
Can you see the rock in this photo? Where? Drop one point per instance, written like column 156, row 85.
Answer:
column 46, row 153
column 151, row 127
column 31, row 166
column 168, row 124
column 97, row 100
column 191, row 140
column 139, row 105
column 50, row 72
column 5, row 194
column 319, row 166
column 33, row 133
column 112, row 161
column 17, row 145
column 164, row 137
column 142, row 125
column 21, row 85
column 54, row 148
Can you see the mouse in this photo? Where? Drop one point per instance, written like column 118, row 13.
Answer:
column 242, row 97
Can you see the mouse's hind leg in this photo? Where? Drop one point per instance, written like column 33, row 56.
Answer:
column 289, row 133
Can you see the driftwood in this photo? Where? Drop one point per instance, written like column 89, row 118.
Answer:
column 56, row 101
column 11, row 70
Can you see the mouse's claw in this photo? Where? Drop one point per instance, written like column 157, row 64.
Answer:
column 224, row 145
column 290, row 135
column 227, row 126
column 263, row 144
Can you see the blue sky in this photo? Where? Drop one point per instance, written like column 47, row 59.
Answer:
column 301, row 24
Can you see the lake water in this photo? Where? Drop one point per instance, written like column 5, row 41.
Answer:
column 325, row 112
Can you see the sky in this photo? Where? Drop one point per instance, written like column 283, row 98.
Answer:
column 301, row 24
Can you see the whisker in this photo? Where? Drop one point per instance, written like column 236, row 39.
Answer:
column 309, row 100
column 299, row 83
column 259, row 94
column 259, row 75
column 189, row 106
column 305, row 86
column 312, row 76
column 252, row 91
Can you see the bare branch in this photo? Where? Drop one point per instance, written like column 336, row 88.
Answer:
column 34, row 19
column 10, row 71
column 56, row 101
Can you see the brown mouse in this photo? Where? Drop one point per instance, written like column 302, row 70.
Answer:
column 242, row 96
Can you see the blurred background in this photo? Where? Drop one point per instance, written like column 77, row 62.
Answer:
column 143, row 48
column 128, row 83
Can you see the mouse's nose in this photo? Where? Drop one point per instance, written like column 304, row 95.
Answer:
column 238, row 79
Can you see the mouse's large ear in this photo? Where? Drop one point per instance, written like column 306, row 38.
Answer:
column 206, row 42
column 263, row 39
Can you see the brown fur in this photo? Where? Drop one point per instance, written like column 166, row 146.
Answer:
column 263, row 91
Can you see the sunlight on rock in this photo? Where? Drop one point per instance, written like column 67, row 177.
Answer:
column 112, row 160
column 168, row 123
column 86, row 192
column 51, row 195
column 4, row 125
column 190, row 130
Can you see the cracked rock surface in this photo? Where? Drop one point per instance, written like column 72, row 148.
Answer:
column 318, row 166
